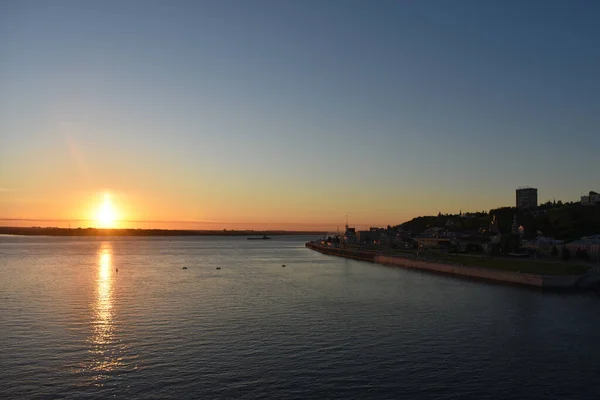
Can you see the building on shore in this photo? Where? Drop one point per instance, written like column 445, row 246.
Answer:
column 543, row 246
column 470, row 243
column 369, row 237
column 589, row 244
column 527, row 198
column 350, row 236
column 432, row 242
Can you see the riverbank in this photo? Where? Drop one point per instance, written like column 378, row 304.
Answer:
column 549, row 281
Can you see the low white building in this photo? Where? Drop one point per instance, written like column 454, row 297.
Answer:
column 591, row 198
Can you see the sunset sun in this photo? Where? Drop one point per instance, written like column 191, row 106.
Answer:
column 106, row 215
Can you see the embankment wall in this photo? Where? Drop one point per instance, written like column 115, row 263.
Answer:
column 545, row 281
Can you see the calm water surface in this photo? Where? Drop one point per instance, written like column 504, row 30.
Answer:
column 71, row 326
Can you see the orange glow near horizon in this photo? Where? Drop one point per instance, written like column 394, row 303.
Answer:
column 114, row 205
column 106, row 215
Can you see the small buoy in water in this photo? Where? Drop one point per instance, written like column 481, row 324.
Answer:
column 184, row 268
column 283, row 265
column 218, row 267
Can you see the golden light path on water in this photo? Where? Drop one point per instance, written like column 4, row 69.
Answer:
column 103, row 344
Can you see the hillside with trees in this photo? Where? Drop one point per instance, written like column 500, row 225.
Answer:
column 565, row 221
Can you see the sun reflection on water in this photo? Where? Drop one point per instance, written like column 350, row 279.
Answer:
column 103, row 326
column 103, row 344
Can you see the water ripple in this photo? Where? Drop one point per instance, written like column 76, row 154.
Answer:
column 71, row 326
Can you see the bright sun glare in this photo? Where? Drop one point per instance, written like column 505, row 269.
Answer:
column 106, row 215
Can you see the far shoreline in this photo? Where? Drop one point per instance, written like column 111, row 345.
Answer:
column 53, row 231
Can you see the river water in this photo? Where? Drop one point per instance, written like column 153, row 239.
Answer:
column 72, row 326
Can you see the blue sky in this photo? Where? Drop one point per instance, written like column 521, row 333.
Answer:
column 284, row 110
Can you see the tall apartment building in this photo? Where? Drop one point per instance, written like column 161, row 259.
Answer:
column 527, row 198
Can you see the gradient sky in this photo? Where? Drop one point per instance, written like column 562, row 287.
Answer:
column 290, row 114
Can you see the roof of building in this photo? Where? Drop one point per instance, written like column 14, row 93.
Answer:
column 587, row 240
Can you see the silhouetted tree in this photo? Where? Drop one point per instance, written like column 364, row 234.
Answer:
column 566, row 254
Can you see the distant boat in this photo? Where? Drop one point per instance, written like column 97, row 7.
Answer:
column 265, row 237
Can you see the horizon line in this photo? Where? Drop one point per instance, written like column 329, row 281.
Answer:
column 65, row 220
column 272, row 231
